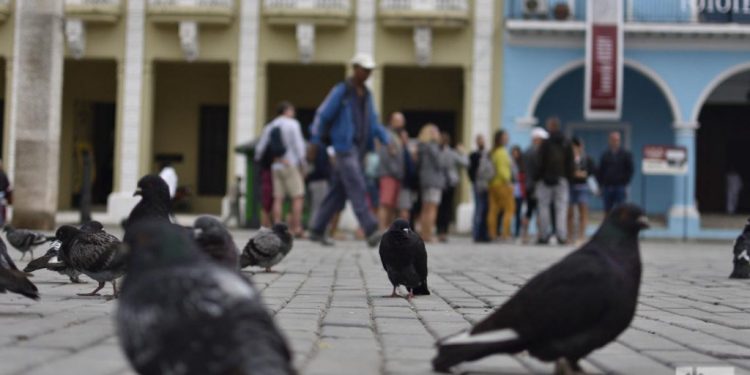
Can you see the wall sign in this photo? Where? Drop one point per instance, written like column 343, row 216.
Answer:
column 604, row 59
column 664, row 160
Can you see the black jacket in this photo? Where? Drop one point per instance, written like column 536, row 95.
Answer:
column 555, row 159
column 585, row 164
column 474, row 158
column 615, row 168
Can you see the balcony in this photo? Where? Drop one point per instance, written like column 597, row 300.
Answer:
column 4, row 10
column 424, row 13
column 315, row 12
column 201, row 11
column 642, row 17
column 106, row 11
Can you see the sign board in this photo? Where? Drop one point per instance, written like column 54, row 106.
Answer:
column 664, row 160
column 604, row 59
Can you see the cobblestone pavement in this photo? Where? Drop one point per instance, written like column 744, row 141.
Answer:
column 332, row 305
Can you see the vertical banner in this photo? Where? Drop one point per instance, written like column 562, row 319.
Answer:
column 604, row 60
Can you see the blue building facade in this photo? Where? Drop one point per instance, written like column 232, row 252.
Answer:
column 686, row 75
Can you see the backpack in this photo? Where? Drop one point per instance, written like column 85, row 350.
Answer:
column 274, row 149
column 485, row 172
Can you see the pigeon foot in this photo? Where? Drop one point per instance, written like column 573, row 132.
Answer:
column 563, row 367
column 94, row 293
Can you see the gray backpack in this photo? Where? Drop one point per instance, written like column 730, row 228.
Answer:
column 485, row 172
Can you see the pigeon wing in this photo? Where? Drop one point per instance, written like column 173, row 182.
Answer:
column 5, row 260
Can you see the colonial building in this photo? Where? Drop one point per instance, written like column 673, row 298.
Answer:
column 184, row 81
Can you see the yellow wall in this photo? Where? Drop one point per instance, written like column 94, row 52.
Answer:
column 84, row 82
column 179, row 91
column 304, row 85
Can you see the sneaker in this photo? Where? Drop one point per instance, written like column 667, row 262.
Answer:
column 542, row 241
column 374, row 239
column 320, row 238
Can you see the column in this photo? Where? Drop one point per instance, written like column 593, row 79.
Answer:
column 35, row 112
column 130, row 84
column 245, row 74
column 684, row 219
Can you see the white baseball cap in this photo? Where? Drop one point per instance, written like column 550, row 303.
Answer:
column 539, row 133
column 364, row 60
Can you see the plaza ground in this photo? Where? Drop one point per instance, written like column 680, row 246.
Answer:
column 332, row 305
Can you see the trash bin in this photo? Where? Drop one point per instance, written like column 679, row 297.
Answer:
column 252, row 185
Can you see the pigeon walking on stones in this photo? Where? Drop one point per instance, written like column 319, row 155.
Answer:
column 182, row 314
column 25, row 240
column 216, row 241
column 155, row 203
column 741, row 255
column 51, row 260
column 404, row 259
column 268, row 247
column 13, row 280
column 579, row 304
column 98, row 255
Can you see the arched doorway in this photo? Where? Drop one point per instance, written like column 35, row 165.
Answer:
column 563, row 98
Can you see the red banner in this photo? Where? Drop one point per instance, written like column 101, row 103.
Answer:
column 604, row 65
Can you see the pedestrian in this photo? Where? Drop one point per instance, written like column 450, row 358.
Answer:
column 372, row 177
column 734, row 187
column 6, row 195
column 479, row 223
column 519, row 188
column 432, row 175
column 235, row 201
column 615, row 172
column 530, row 157
column 583, row 170
column 456, row 159
column 392, row 165
column 554, row 168
column 283, row 137
column 500, row 192
column 347, row 121
column 318, row 179
column 410, row 184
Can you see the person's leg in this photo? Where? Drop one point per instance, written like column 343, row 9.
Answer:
column 475, row 222
column 444, row 213
column 544, row 198
column 571, row 221
column 354, row 186
column 621, row 195
column 519, row 214
column 494, row 197
column 432, row 209
column 425, row 230
column 330, row 206
column 562, row 194
column 583, row 220
column 484, row 200
column 508, row 204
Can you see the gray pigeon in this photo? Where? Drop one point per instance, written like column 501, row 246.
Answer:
column 99, row 255
column 741, row 255
column 268, row 247
column 51, row 261
column 25, row 240
column 13, row 280
column 216, row 241
column 182, row 314
column 576, row 306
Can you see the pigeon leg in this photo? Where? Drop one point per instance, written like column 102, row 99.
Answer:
column 394, row 294
column 94, row 293
column 115, row 293
column 31, row 253
column 268, row 270
column 564, row 367
column 23, row 255
column 76, row 280
column 410, row 295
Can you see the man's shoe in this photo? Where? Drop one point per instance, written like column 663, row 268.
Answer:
column 374, row 239
column 320, row 238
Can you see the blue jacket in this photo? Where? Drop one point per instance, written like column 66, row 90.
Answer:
column 337, row 111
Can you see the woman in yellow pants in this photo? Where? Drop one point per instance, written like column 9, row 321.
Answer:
column 500, row 194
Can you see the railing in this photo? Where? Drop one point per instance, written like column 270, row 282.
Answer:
column 424, row 5
column 90, row 2
column 192, row 3
column 643, row 11
column 308, row 4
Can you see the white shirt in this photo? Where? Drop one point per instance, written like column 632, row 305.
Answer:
column 291, row 134
column 169, row 175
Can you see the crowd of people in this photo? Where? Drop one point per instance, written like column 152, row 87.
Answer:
column 385, row 174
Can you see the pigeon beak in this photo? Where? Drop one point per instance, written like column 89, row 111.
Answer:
column 643, row 222
column 137, row 192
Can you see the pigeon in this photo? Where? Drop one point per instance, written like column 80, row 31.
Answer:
column 155, row 203
column 180, row 313
column 579, row 304
column 216, row 241
column 268, row 247
column 53, row 262
column 741, row 255
column 404, row 259
column 98, row 255
column 25, row 240
column 13, row 280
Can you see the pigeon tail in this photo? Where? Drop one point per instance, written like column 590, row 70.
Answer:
column 17, row 282
column 740, row 271
column 422, row 289
column 466, row 347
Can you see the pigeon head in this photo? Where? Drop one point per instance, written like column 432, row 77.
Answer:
column 208, row 225
column 152, row 187
column 92, row 226
column 628, row 217
column 159, row 244
column 282, row 230
column 7, row 228
column 66, row 233
column 400, row 225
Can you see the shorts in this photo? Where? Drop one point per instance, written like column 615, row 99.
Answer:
column 266, row 190
column 432, row 195
column 405, row 199
column 287, row 182
column 389, row 191
column 579, row 194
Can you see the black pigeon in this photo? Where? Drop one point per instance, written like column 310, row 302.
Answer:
column 216, row 241
column 404, row 258
column 98, row 255
column 741, row 258
column 182, row 314
column 268, row 247
column 51, row 261
column 155, row 203
column 13, row 280
column 25, row 240
column 564, row 313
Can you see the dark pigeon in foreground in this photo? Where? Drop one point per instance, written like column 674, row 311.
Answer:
column 182, row 314
column 404, row 259
column 579, row 304
column 51, row 260
column 216, row 241
column 155, row 203
column 98, row 255
column 741, row 255
column 13, row 280
column 25, row 240
column 268, row 247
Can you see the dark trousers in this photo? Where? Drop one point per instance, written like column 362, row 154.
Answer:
column 613, row 195
column 445, row 210
column 479, row 227
column 519, row 212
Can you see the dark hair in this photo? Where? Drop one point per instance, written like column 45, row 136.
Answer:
column 497, row 139
column 577, row 141
column 283, row 106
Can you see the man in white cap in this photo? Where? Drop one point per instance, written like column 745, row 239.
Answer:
column 347, row 122
column 538, row 135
